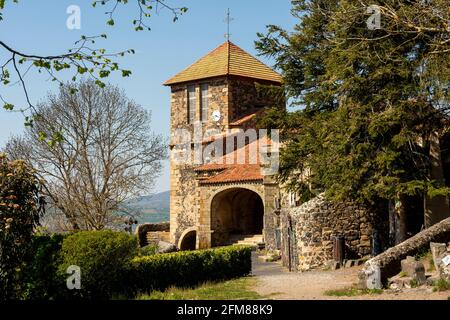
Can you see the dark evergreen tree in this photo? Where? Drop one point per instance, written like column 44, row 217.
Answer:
column 371, row 79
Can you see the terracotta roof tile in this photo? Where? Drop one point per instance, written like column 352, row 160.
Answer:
column 250, row 170
column 227, row 59
column 245, row 119
column 237, row 173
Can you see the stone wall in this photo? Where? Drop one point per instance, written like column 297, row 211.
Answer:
column 184, row 197
column 184, row 200
column 142, row 230
column 233, row 97
column 244, row 97
column 309, row 231
column 217, row 100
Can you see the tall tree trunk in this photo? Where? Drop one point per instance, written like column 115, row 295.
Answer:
column 400, row 219
column 392, row 222
column 436, row 208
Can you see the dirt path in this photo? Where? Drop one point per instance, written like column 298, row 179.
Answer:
column 277, row 283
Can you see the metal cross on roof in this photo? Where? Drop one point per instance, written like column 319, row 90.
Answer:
column 228, row 20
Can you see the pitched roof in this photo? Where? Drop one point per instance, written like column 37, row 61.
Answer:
column 248, row 171
column 227, row 59
column 237, row 173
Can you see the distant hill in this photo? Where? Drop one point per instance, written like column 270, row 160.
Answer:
column 152, row 208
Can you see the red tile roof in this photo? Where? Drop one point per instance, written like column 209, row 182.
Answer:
column 237, row 173
column 244, row 120
column 248, row 171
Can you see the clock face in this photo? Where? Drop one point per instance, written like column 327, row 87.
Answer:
column 216, row 115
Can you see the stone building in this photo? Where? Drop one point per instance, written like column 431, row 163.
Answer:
column 215, row 203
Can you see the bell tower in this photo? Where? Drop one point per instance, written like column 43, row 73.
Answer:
column 218, row 92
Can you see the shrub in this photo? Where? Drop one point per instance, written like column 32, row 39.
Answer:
column 102, row 257
column 148, row 250
column 441, row 285
column 21, row 206
column 187, row 268
column 41, row 275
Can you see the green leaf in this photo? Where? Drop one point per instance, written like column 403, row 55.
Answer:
column 8, row 106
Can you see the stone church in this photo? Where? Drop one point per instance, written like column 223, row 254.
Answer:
column 218, row 202
column 213, row 204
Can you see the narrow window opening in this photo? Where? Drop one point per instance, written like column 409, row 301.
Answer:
column 204, row 92
column 192, row 103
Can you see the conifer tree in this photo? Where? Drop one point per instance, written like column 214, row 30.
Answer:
column 372, row 81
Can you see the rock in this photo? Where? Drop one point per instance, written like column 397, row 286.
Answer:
column 431, row 280
column 414, row 270
column 166, row 247
column 377, row 270
column 370, row 276
column 441, row 259
column 438, row 251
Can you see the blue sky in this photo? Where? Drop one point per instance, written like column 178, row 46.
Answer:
column 40, row 27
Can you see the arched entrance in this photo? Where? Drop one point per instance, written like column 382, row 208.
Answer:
column 188, row 240
column 235, row 212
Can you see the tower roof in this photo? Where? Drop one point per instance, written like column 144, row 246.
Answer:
column 227, row 59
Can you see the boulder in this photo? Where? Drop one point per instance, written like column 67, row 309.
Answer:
column 441, row 259
column 413, row 269
column 166, row 247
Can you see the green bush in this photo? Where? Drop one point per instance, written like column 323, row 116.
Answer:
column 187, row 268
column 148, row 250
column 41, row 278
column 21, row 206
column 102, row 257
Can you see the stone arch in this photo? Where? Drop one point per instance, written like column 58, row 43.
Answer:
column 188, row 239
column 235, row 211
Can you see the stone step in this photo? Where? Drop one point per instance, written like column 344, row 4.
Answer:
column 254, row 241
column 254, row 238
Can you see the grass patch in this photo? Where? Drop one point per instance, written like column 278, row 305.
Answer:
column 237, row 289
column 351, row 292
column 414, row 283
column 441, row 285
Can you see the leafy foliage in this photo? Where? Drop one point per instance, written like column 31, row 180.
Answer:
column 83, row 58
column 148, row 250
column 187, row 268
column 21, row 206
column 102, row 257
column 370, row 99
column 106, row 154
column 41, row 273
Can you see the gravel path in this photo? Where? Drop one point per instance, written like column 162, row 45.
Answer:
column 277, row 283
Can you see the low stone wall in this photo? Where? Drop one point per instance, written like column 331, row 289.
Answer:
column 143, row 229
column 307, row 232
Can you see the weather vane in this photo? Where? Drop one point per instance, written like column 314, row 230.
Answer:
column 228, row 20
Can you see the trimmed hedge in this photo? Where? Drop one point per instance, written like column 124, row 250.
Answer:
column 187, row 268
column 102, row 257
column 110, row 266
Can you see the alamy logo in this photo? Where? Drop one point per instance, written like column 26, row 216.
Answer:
column 230, row 147
column 74, row 20
column 74, row 280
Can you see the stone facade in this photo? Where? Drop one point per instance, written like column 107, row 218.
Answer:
column 308, row 231
column 244, row 97
column 190, row 203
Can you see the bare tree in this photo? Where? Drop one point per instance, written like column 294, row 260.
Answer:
column 105, row 155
